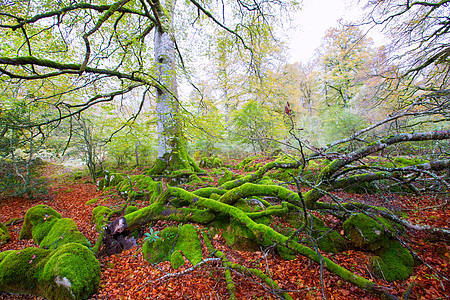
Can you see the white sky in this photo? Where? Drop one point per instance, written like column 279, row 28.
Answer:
column 311, row 22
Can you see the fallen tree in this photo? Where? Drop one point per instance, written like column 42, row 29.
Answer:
column 244, row 205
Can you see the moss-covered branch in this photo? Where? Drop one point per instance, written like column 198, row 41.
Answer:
column 249, row 189
column 269, row 236
column 244, row 270
column 253, row 177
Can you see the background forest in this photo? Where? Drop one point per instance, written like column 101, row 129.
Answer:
column 191, row 112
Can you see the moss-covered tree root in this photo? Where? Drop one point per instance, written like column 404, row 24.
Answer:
column 268, row 236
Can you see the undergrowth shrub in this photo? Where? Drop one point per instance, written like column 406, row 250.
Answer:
column 21, row 178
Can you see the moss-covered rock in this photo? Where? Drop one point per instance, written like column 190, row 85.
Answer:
column 160, row 250
column 327, row 239
column 365, row 232
column 41, row 216
column 176, row 259
column 63, row 231
column 210, row 162
column 66, row 270
column 70, row 272
column 4, row 234
column 183, row 240
column 49, row 230
column 99, row 216
column 393, row 262
column 194, row 179
column 240, row 237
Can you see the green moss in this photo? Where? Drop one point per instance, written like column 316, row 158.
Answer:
column 160, row 250
column 364, row 232
column 182, row 239
column 92, row 201
column 20, row 269
column 4, row 254
column 405, row 162
column 240, row 237
column 99, row 215
column 63, row 231
column 131, row 209
column 226, row 176
column 71, row 272
column 193, row 179
column 176, row 259
column 189, row 243
column 4, row 234
column 328, row 240
column 35, row 216
column 210, row 162
column 393, row 262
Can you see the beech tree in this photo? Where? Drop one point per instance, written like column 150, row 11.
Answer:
column 102, row 52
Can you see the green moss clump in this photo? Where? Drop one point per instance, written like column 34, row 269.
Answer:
column 328, row 240
column 68, row 270
column 19, row 270
column 92, row 201
column 210, row 162
column 393, row 262
column 35, row 216
column 160, row 250
column 183, row 240
column 63, row 231
column 4, row 234
column 71, row 272
column 49, row 230
column 177, row 260
column 193, row 179
column 364, row 232
column 240, row 237
column 227, row 175
column 405, row 162
column 99, row 215
column 189, row 243
column 131, row 209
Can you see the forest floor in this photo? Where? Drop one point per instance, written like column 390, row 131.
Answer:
column 129, row 276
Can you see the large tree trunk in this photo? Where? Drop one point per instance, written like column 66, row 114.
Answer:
column 172, row 153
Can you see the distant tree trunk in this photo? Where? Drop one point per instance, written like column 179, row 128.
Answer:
column 172, row 152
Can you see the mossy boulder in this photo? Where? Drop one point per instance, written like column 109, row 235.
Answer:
column 38, row 216
column 70, row 272
column 365, row 232
column 49, row 230
column 393, row 262
column 64, row 231
column 99, row 216
column 173, row 244
column 210, row 162
column 327, row 239
column 4, row 234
